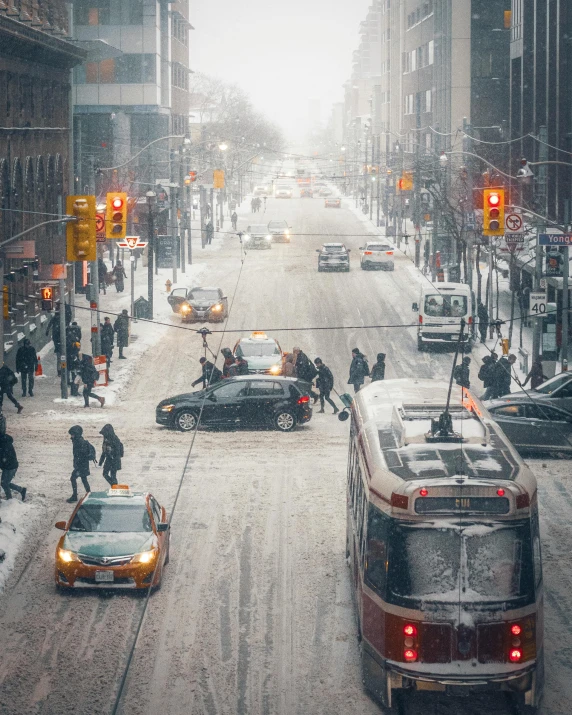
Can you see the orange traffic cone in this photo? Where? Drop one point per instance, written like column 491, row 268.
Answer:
column 39, row 371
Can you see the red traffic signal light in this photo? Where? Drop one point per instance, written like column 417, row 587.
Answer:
column 493, row 199
column 493, row 212
column 116, row 215
column 117, row 202
column 193, row 175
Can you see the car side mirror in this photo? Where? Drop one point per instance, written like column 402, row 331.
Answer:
column 415, row 307
column 224, row 297
column 212, row 398
column 318, row 250
column 361, row 248
column 163, row 526
column 349, row 250
column 61, row 525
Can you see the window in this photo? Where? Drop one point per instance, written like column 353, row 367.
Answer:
column 263, row 388
column 428, row 101
column 550, row 386
column 509, row 411
column 431, row 54
column 115, row 518
column 541, row 412
column 229, row 390
column 376, row 554
column 446, row 306
column 91, row 12
column 156, row 509
column 127, row 69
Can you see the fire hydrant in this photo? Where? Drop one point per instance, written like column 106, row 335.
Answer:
column 168, row 285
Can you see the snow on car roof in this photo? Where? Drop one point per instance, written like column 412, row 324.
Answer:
column 131, row 498
column 340, row 245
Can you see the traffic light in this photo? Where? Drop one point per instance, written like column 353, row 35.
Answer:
column 47, row 294
column 81, row 233
column 493, row 212
column 116, row 215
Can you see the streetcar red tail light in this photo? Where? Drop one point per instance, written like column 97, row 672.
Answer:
column 500, row 492
column 423, row 492
column 410, row 655
column 515, row 629
column 367, row 253
column 410, row 630
column 515, row 655
column 304, row 399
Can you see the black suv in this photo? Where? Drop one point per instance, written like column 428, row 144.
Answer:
column 263, row 400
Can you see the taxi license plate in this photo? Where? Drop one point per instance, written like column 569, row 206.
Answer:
column 104, row 576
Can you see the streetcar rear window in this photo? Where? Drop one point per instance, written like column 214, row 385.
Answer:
column 473, row 562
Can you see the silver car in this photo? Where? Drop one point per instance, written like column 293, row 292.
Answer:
column 533, row 425
column 257, row 236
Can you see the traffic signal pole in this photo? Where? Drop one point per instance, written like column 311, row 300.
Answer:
column 565, row 310
column 63, row 339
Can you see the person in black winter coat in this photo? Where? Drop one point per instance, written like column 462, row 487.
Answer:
column 210, row 374
column 359, row 370
column 121, row 327
column 120, row 275
column 9, row 466
column 378, row 370
column 501, row 377
column 89, row 376
column 325, row 384
column 74, row 332
column 7, row 382
column 83, row 454
column 111, row 453
column 462, row 373
column 483, row 316
column 486, row 374
column 26, row 364
column 239, row 367
column 107, row 340
column 305, row 370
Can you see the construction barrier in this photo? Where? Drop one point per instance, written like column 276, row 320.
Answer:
column 39, row 370
column 100, row 362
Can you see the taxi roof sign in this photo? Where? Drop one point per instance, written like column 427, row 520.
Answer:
column 258, row 335
column 119, row 490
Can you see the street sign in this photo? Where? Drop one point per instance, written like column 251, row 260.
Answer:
column 514, row 225
column 554, row 239
column 132, row 242
column 537, row 305
column 100, row 228
column 470, row 223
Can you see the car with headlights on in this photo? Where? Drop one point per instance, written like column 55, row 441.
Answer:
column 377, row 254
column 283, row 192
column 333, row 203
column 257, row 237
column 263, row 354
column 533, row 426
column 199, row 303
column 280, row 231
column 243, row 401
column 326, row 191
column 113, row 540
column 333, row 257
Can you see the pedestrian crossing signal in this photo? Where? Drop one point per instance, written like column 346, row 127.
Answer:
column 47, row 294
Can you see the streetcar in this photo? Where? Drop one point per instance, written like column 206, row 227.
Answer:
column 443, row 545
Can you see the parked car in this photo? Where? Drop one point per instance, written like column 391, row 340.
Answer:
column 280, row 231
column 199, row 304
column 333, row 203
column 306, row 193
column 533, row 426
column 333, row 257
column 557, row 392
column 377, row 255
column 326, row 191
column 261, row 400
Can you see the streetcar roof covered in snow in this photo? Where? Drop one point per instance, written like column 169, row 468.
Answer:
column 395, row 420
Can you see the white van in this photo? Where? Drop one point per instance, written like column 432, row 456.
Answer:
column 441, row 307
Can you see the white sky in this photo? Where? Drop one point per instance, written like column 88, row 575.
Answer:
column 283, row 53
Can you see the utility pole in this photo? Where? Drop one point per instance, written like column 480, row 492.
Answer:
column 173, row 217
column 542, row 195
column 94, row 273
column 202, row 209
column 565, row 309
column 151, row 198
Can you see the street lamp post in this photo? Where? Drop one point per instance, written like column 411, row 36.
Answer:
column 151, row 200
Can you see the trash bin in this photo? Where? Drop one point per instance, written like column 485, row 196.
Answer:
column 141, row 308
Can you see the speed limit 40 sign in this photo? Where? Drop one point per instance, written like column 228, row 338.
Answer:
column 537, row 305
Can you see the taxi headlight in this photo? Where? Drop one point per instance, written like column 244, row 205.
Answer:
column 246, row 237
column 145, row 557
column 185, row 308
column 286, row 232
column 276, row 369
column 67, row 556
column 217, row 308
column 167, row 408
column 269, row 238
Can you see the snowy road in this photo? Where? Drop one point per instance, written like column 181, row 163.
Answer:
column 255, row 613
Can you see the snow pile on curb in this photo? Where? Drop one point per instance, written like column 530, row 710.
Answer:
column 17, row 520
